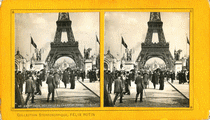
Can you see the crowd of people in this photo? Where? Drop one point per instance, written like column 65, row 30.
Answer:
column 33, row 82
column 122, row 81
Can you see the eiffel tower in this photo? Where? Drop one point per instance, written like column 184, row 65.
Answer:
column 150, row 49
column 64, row 49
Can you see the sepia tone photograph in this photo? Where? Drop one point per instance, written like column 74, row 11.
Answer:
column 57, row 60
column 146, row 59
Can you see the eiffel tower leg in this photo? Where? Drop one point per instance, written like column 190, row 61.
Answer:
column 161, row 36
column 58, row 35
column 149, row 36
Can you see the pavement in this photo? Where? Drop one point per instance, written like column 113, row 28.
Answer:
column 66, row 97
column 183, row 88
column 94, row 86
column 169, row 97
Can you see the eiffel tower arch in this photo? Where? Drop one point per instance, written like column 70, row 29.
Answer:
column 64, row 49
column 150, row 49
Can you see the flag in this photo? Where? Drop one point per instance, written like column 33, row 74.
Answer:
column 188, row 41
column 33, row 43
column 97, row 40
column 124, row 44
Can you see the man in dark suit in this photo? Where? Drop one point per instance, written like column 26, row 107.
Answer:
column 20, row 81
column 38, row 84
column 110, row 80
column 51, row 86
column 65, row 78
column 82, row 72
column 118, row 89
column 127, row 83
column 172, row 77
column 155, row 79
column 139, row 86
column 29, row 89
column 72, row 79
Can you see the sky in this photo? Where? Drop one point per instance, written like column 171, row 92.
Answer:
column 42, row 27
column 132, row 26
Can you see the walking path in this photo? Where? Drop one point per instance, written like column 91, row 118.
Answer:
column 168, row 97
column 183, row 88
column 94, row 86
column 66, row 97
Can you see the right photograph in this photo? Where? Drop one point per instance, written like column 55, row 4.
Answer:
column 146, row 59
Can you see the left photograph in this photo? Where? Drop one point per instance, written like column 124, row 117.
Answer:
column 57, row 60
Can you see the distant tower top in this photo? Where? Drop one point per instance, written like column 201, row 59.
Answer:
column 63, row 16
column 155, row 17
column 64, row 25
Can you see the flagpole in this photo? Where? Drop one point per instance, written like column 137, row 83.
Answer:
column 121, row 53
column 95, row 46
column 30, row 54
column 30, row 45
column 186, row 48
column 121, row 46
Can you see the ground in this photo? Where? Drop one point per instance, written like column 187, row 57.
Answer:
column 66, row 97
column 169, row 97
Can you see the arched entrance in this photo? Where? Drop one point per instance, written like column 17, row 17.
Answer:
column 64, row 62
column 154, row 63
column 75, row 58
column 167, row 61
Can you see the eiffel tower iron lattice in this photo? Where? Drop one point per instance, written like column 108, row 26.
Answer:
column 150, row 49
column 64, row 49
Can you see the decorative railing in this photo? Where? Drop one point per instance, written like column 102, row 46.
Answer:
column 64, row 44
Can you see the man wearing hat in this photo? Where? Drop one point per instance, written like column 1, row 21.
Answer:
column 161, row 77
column 118, row 89
column 65, row 78
column 29, row 89
column 127, row 84
column 110, row 81
column 57, row 79
column 51, row 86
column 145, row 79
column 155, row 79
column 139, row 86
column 72, row 79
